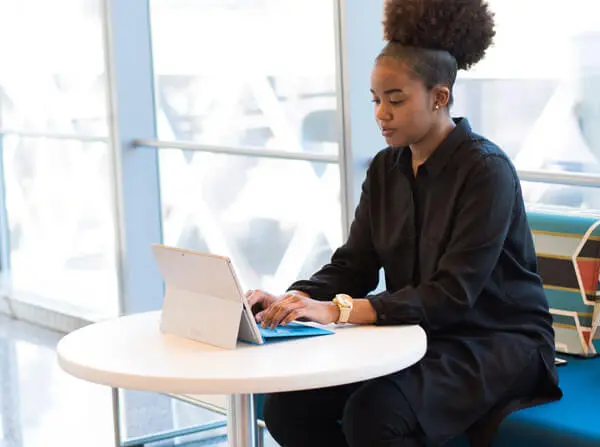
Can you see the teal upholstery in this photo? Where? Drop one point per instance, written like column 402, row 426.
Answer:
column 570, row 421
column 258, row 405
column 569, row 263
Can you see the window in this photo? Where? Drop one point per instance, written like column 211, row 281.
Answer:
column 52, row 77
column 247, row 74
column 278, row 220
column 56, row 159
column 536, row 92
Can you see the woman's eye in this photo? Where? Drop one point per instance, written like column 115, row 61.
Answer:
column 394, row 103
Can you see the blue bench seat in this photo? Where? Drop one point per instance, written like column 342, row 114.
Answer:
column 571, row 421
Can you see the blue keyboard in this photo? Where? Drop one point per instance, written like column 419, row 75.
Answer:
column 292, row 330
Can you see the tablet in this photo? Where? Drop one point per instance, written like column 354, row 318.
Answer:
column 204, row 301
column 203, row 298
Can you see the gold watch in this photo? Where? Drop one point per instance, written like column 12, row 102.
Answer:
column 344, row 304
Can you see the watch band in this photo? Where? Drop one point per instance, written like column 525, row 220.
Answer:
column 344, row 315
column 344, row 304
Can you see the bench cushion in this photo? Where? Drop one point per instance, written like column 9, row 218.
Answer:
column 570, row 421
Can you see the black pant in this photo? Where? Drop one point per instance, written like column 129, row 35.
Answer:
column 372, row 414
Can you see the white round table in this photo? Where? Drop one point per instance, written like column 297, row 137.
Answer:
column 130, row 352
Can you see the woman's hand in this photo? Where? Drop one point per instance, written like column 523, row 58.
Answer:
column 293, row 306
column 261, row 299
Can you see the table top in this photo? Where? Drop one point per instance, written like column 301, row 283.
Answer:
column 132, row 353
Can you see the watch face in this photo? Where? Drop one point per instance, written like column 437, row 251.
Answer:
column 344, row 302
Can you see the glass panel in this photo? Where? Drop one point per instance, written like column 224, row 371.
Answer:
column 61, row 223
column 52, row 58
column 44, row 405
column 278, row 220
column 536, row 92
column 246, row 73
column 579, row 200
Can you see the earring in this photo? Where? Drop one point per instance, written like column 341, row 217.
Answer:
column 437, row 107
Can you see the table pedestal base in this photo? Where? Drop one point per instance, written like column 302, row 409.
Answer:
column 241, row 421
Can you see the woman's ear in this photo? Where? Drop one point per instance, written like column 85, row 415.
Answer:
column 441, row 95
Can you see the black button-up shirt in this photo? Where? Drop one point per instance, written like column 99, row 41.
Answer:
column 459, row 260
column 454, row 243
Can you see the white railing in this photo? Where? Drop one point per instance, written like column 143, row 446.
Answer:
column 244, row 151
column 561, row 178
column 52, row 135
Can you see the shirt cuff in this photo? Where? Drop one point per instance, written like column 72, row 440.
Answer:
column 400, row 307
column 314, row 291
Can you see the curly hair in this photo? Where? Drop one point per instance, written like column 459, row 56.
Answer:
column 435, row 38
column 463, row 28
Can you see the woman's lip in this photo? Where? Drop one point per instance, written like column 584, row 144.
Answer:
column 387, row 132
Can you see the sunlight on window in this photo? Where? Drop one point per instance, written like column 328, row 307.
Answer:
column 535, row 93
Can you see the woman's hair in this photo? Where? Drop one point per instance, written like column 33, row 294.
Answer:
column 435, row 38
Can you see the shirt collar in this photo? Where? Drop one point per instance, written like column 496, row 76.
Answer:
column 441, row 156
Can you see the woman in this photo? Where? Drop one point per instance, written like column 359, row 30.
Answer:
column 442, row 213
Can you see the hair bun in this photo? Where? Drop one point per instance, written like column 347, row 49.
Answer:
column 464, row 28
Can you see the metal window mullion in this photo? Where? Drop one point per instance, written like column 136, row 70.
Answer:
column 345, row 148
column 241, row 151
column 116, row 186
column 361, row 41
column 4, row 227
column 136, row 183
column 560, row 178
column 136, row 180
column 54, row 136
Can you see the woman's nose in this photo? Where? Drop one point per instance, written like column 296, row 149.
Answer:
column 382, row 113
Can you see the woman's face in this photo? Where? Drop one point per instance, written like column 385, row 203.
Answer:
column 404, row 109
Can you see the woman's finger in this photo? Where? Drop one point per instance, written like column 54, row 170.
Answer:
column 294, row 315
column 259, row 316
column 264, row 315
column 272, row 312
column 257, row 296
column 275, row 313
column 268, row 315
column 290, row 302
column 282, row 310
column 281, row 313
